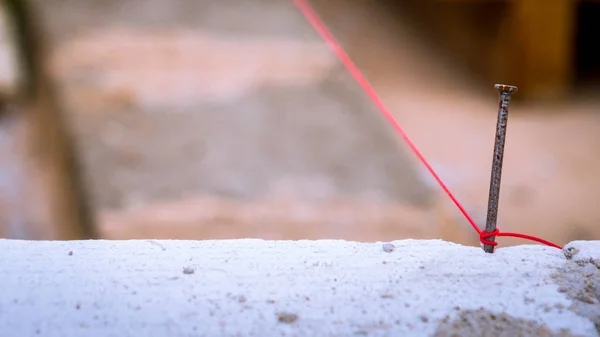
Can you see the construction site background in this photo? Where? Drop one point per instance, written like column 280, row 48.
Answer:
column 233, row 119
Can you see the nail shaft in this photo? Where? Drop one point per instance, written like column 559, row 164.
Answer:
column 492, row 213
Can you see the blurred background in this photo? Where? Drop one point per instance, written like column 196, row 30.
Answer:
column 231, row 119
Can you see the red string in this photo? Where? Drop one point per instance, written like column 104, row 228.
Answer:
column 312, row 17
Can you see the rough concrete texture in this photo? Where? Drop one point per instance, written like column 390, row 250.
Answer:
column 298, row 288
column 579, row 278
column 483, row 322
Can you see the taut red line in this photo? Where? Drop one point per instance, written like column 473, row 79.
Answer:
column 316, row 22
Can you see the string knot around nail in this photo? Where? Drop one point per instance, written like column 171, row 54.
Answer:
column 483, row 237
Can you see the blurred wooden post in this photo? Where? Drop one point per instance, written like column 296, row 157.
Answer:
column 47, row 199
column 536, row 45
column 531, row 45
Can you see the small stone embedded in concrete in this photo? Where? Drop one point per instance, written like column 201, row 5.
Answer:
column 388, row 247
column 570, row 252
column 288, row 318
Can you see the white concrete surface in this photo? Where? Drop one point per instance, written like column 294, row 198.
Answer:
column 276, row 288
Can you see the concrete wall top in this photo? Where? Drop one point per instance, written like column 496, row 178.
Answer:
column 296, row 288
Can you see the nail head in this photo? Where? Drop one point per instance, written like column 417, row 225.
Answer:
column 506, row 88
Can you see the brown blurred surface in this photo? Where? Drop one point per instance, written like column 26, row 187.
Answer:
column 41, row 190
column 531, row 42
column 201, row 120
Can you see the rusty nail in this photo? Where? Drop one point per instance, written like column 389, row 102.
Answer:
column 492, row 213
